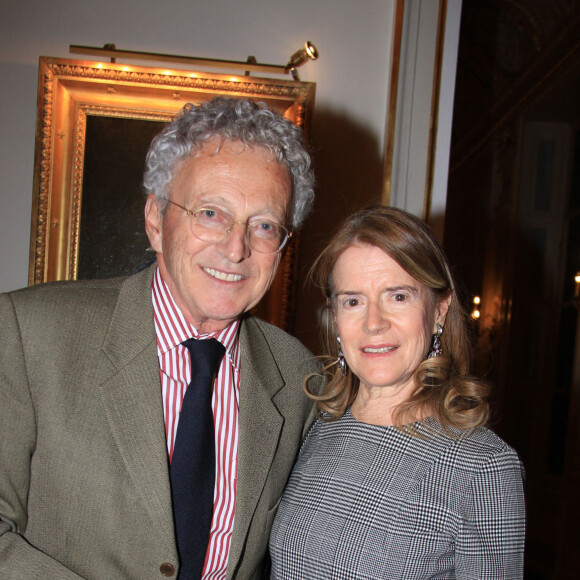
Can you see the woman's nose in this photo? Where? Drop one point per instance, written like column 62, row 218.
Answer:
column 376, row 319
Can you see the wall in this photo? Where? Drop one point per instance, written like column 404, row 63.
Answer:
column 353, row 39
column 423, row 120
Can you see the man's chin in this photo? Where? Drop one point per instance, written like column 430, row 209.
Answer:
column 219, row 315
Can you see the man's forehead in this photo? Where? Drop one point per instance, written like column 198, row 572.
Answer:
column 235, row 174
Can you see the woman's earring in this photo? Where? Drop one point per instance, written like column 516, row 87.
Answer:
column 341, row 361
column 436, row 349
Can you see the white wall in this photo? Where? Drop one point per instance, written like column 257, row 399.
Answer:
column 411, row 157
column 353, row 39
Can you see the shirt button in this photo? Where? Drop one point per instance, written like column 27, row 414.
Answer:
column 167, row 569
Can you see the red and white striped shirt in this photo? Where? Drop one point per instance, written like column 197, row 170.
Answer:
column 172, row 329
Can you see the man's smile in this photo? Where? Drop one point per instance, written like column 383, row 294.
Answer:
column 223, row 275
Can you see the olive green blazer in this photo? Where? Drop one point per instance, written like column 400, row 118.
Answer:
column 84, row 480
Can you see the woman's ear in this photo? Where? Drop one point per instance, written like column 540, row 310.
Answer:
column 441, row 312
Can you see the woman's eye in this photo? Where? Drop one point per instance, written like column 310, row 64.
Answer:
column 400, row 297
column 344, row 303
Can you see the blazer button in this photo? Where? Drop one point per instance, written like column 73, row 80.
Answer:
column 167, row 569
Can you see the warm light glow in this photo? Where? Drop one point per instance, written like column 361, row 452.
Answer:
column 126, row 68
column 577, row 278
column 166, row 73
column 476, row 314
column 476, row 300
column 100, row 65
column 311, row 50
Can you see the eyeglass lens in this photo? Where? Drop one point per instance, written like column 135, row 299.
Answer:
column 211, row 225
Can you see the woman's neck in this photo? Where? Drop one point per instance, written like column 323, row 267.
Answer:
column 376, row 405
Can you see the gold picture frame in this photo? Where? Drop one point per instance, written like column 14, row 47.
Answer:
column 74, row 95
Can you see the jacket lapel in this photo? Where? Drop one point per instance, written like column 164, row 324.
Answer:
column 260, row 425
column 131, row 396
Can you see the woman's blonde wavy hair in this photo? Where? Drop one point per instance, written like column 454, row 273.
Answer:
column 445, row 389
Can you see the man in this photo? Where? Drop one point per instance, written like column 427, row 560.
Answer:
column 93, row 374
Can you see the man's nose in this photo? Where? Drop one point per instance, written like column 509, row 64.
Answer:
column 236, row 245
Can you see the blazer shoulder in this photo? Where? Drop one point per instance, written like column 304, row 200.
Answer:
column 269, row 345
column 282, row 344
column 70, row 306
column 62, row 291
column 70, row 293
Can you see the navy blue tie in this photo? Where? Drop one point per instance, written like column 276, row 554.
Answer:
column 193, row 461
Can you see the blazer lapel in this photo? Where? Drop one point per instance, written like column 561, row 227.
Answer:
column 131, row 395
column 260, row 425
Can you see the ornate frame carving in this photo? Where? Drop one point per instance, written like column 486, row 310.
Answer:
column 71, row 90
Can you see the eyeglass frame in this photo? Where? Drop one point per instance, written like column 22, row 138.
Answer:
column 247, row 223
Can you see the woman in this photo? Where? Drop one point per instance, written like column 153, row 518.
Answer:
column 399, row 478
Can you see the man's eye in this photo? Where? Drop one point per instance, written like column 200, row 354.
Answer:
column 214, row 219
column 209, row 213
column 265, row 229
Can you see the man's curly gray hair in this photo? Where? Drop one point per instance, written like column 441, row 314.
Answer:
column 234, row 120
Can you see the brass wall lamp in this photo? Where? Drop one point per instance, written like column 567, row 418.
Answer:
column 299, row 58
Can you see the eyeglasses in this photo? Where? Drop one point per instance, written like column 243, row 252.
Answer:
column 212, row 225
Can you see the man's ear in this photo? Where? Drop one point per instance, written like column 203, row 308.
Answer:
column 154, row 223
